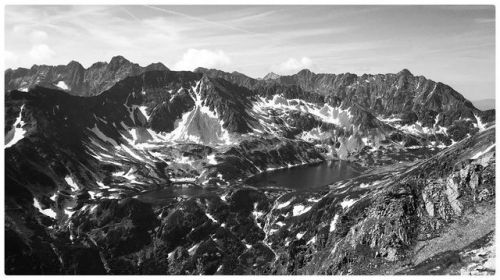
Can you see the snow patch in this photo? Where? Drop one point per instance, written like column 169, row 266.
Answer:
column 71, row 183
column 130, row 152
column 101, row 184
column 347, row 203
column 101, row 136
column 68, row 212
column 480, row 124
column 314, row 200
column 312, row 240
column 47, row 212
column 144, row 112
column 300, row 235
column 211, row 218
column 314, row 134
column 193, row 249
column 211, row 159
column 223, row 197
column 183, row 179
column 185, row 160
column 283, row 205
column 333, row 223
column 17, row 130
column 390, row 120
column 129, row 176
column 62, row 85
column 481, row 153
column 300, row 209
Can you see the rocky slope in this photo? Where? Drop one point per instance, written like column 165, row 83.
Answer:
column 144, row 174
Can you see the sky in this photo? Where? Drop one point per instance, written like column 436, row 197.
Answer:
column 450, row 44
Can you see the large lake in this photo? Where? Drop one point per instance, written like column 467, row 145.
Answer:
column 300, row 178
column 308, row 177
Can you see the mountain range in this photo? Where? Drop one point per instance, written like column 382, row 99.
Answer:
column 485, row 104
column 123, row 169
column 76, row 79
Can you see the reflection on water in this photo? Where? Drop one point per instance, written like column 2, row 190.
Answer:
column 159, row 196
column 303, row 178
column 300, row 178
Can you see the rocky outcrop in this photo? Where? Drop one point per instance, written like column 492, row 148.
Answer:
column 386, row 231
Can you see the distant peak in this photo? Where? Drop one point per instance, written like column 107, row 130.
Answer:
column 200, row 70
column 156, row 66
column 405, row 72
column 74, row 63
column 98, row 64
column 305, row 72
column 118, row 60
column 271, row 76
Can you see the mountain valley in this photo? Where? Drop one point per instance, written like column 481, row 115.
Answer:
column 123, row 169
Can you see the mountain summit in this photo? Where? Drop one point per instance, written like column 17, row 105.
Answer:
column 271, row 76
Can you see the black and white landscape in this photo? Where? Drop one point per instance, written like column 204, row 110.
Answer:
column 118, row 168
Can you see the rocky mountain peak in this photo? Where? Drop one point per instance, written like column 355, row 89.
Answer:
column 74, row 63
column 158, row 66
column 98, row 64
column 239, row 74
column 75, row 66
column 118, row 59
column 117, row 62
column 200, row 70
column 405, row 72
column 305, row 72
column 271, row 76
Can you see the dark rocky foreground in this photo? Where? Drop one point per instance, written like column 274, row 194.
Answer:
column 424, row 218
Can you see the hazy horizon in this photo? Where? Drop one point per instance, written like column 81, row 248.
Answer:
column 450, row 44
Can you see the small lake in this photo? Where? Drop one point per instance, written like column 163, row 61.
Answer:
column 307, row 177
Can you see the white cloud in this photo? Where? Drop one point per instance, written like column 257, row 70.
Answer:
column 38, row 35
column 41, row 52
column 10, row 58
column 293, row 65
column 194, row 58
